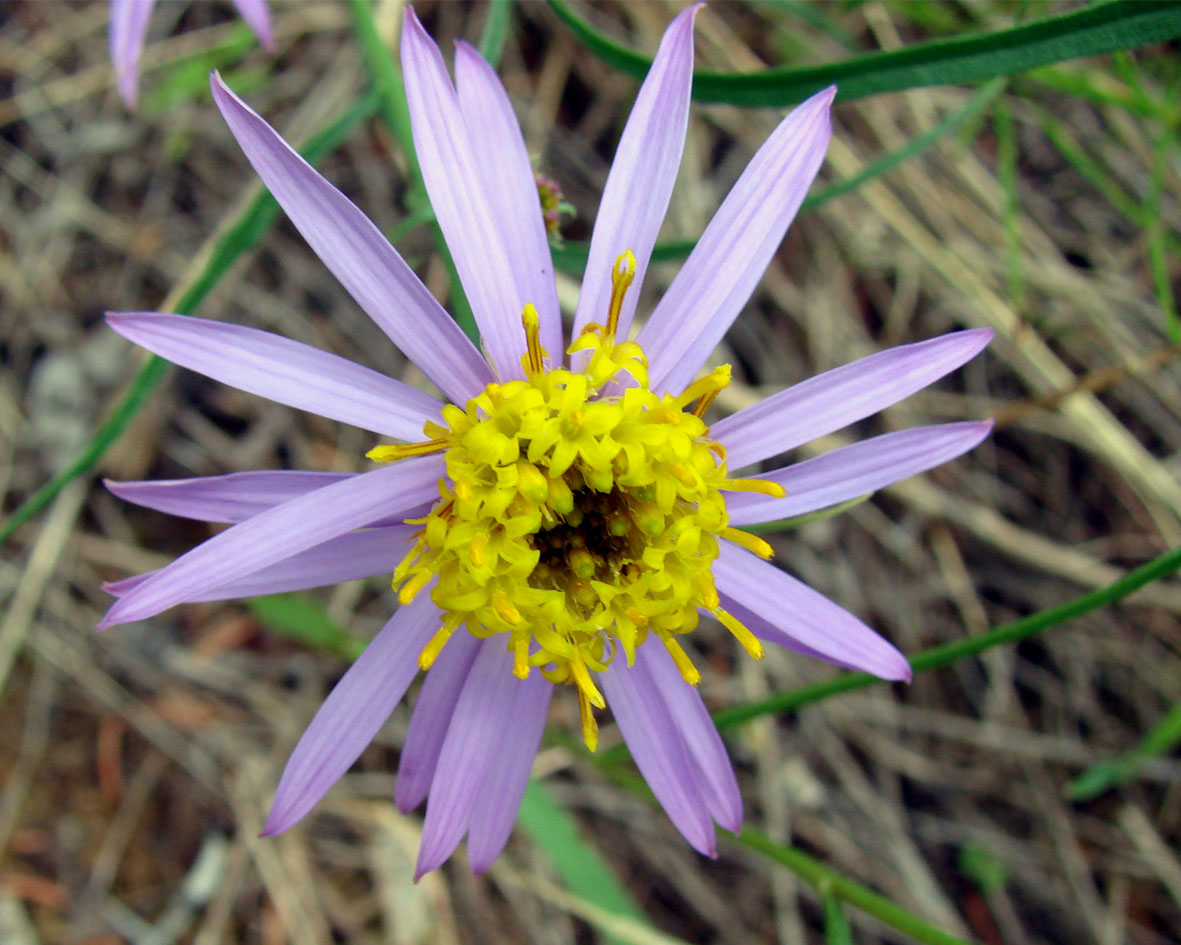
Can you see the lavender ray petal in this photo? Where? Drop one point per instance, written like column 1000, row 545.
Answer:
column 659, row 751
column 452, row 176
column 347, row 557
column 733, row 252
column 273, row 535
column 358, row 255
column 353, row 713
column 497, row 805
column 258, row 18
column 510, row 186
column 856, row 470
column 804, row 615
column 642, row 174
column 844, row 395
column 283, row 370
column 470, row 751
column 128, row 27
column 431, row 718
column 702, row 742
column 231, row 498
column 769, row 633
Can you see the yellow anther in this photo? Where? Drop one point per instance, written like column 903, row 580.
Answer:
column 750, row 542
column 477, row 550
column 749, row 641
column 521, row 655
column 389, row 454
column 411, row 588
column 531, row 483
column 705, row 389
column 585, row 684
column 505, row 609
column 688, row 671
column 533, row 361
column 622, row 274
column 431, row 651
column 590, row 728
column 763, row 486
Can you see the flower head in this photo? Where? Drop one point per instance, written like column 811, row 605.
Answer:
column 569, row 514
column 128, row 27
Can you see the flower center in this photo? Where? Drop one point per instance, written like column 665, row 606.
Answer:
column 578, row 516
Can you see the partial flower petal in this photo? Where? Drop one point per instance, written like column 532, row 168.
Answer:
column 507, row 175
column 803, row 614
column 703, row 744
column 856, row 470
column 642, row 175
column 284, row 371
column 660, row 754
column 733, row 252
column 128, row 27
column 344, row 558
column 274, row 535
column 358, row 255
column 452, row 176
column 232, row 498
column 470, row 752
column 431, row 719
column 353, row 712
column 258, row 17
column 770, row 633
column 844, row 395
column 497, row 804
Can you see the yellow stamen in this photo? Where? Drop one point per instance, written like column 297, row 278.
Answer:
column 586, row 685
column 430, row 652
column 533, row 360
column 749, row 641
column 390, row 454
column 763, row 486
column 622, row 274
column 681, row 658
column 521, row 655
column 590, row 728
column 750, row 542
column 411, row 588
column 504, row 608
column 477, row 550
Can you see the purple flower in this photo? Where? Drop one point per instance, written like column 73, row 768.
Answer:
column 561, row 521
column 128, row 26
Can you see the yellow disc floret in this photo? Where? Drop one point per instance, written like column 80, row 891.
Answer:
column 579, row 515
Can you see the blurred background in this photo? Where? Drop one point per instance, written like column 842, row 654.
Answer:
column 1023, row 795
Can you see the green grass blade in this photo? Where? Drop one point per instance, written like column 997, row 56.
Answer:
column 572, row 256
column 1093, row 30
column 836, row 926
column 948, row 653
column 584, row 872
column 241, row 236
column 495, row 30
column 845, row 889
column 305, row 620
column 1094, row 781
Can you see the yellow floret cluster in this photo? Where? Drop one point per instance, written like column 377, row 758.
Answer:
column 579, row 514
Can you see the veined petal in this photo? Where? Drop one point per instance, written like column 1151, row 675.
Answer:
column 497, row 804
column 769, row 633
column 258, row 18
column 733, row 252
column 431, row 719
column 703, row 744
column 283, row 370
column 827, row 630
column 273, row 535
column 470, row 751
column 511, row 189
column 844, row 395
column 344, row 558
column 353, row 712
column 453, row 178
column 856, row 470
column 642, row 175
column 659, row 751
column 358, row 255
column 128, row 26
column 232, row 498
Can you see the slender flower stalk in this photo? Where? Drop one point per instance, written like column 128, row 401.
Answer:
column 565, row 518
column 128, row 27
